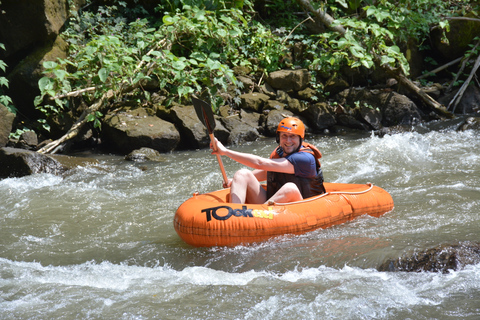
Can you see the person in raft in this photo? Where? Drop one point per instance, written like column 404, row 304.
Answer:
column 292, row 172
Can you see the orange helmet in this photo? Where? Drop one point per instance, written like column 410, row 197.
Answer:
column 291, row 125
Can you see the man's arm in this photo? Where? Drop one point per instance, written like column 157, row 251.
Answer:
column 256, row 162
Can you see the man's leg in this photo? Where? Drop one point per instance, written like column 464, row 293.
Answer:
column 245, row 188
column 287, row 193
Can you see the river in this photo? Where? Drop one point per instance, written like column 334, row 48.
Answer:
column 99, row 243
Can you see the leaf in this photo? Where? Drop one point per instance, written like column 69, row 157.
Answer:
column 4, row 82
column 168, row 20
column 44, row 84
column 3, row 65
column 222, row 33
column 5, row 100
column 60, row 74
column 357, row 51
column 179, row 65
column 50, row 65
column 103, row 74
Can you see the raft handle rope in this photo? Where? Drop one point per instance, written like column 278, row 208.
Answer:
column 326, row 194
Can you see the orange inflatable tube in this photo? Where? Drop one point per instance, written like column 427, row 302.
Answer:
column 207, row 220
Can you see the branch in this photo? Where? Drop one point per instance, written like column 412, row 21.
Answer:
column 323, row 16
column 462, row 67
column 458, row 96
column 445, row 66
column 73, row 93
column 52, row 147
column 429, row 101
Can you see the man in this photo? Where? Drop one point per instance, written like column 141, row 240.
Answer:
column 292, row 172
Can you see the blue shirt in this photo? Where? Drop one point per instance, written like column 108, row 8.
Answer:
column 304, row 164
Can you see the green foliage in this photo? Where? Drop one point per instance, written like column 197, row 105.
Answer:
column 191, row 46
column 4, row 99
column 95, row 118
column 375, row 37
column 17, row 133
column 192, row 50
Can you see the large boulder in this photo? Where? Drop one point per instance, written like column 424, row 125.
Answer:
column 193, row 132
column 20, row 162
column 240, row 131
column 24, row 77
column 129, row 129
column 29, row 30
column 273, row 119
column 25, row 24
column 288, row 80
column 376, row 108
column 320, row 116
column 254, row 101
column 460, row 35
column 398, row 109
column 439, row 259
column 6, row 122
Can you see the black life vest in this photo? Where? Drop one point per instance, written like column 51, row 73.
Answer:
column 308, row 187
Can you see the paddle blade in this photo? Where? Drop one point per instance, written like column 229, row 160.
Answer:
column 204, row 113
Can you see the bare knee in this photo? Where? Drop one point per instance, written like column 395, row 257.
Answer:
column 291, row 191
column 243, row 175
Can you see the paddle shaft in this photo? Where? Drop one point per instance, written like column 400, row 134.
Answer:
column 219, row 159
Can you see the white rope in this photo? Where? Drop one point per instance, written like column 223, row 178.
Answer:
column 324, row 195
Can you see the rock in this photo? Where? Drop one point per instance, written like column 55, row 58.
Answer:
column 253, row 119
column 28, row 23
column 6, row 123
column 248, row 83
column 193, row 133
column 398, row 109
column 28, row 140
column 144, row 154
column 320, row 116
column 295, row 105
column 273, row 119
column 130, row 129
column 335, row 85
column 350, row 121
column 438, row 259
column 371, row 116
column 307, row 94
column 274, row 105
column 469, row 104
column 471, row 123
column 253, row 101
column 268, row 90
column 460, row 35
column 34, row 26
column 376, row 108
column 289, row 79
column 20, row 162
column 240, row 131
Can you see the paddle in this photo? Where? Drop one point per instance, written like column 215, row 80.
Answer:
column 205, row 114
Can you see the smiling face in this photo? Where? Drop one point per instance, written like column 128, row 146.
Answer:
column 289, row 142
